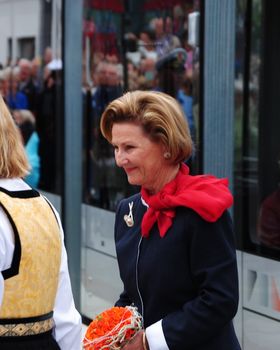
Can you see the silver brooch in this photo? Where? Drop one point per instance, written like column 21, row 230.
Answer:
column 129, row 218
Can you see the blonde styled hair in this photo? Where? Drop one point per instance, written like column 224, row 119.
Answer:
column 159, row 114
column 13, row 160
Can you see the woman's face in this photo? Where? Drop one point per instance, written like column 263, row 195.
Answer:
column 141, row 158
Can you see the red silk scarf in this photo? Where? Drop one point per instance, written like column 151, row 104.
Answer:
column 205, row 194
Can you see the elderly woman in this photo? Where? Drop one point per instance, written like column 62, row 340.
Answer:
column 174, row 240
column 36, row 304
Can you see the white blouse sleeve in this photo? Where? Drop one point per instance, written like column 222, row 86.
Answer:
column 2, row 256
column 155, row 337
column 68, row 327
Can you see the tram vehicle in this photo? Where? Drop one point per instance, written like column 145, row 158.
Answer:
column 230, row 85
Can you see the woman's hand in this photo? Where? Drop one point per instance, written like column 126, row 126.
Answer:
column 136, row 343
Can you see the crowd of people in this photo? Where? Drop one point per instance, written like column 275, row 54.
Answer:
column 158, row 57
column 144, row 55
column 31, row 91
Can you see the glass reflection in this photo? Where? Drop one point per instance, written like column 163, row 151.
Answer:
column 129, row 46
column 269, row 219
column 257, row 196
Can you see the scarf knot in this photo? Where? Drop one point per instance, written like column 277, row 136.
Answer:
column 206, row 195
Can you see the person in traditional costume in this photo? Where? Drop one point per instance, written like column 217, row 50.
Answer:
column 37, row 310
column 174, row 240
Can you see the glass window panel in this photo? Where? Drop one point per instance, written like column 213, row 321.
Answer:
column 257, row 216
column 128, row 48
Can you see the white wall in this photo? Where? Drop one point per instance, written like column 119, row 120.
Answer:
column 18, row 19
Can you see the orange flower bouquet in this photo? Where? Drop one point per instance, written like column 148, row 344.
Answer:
column 112, row 328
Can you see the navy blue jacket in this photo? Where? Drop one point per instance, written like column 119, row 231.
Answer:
column 188, row 278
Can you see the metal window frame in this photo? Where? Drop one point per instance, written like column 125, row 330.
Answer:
column 72, row 190
column 218, row 87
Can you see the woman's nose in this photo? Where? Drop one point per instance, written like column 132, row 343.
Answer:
column 120, row 157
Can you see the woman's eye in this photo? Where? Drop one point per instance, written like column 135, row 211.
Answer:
column 115, row 148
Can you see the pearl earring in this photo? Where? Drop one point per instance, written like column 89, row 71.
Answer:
column 167, row 155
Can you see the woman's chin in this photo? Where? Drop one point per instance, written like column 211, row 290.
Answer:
column 133, row 181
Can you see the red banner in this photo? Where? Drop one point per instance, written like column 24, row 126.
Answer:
column 113, row 5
